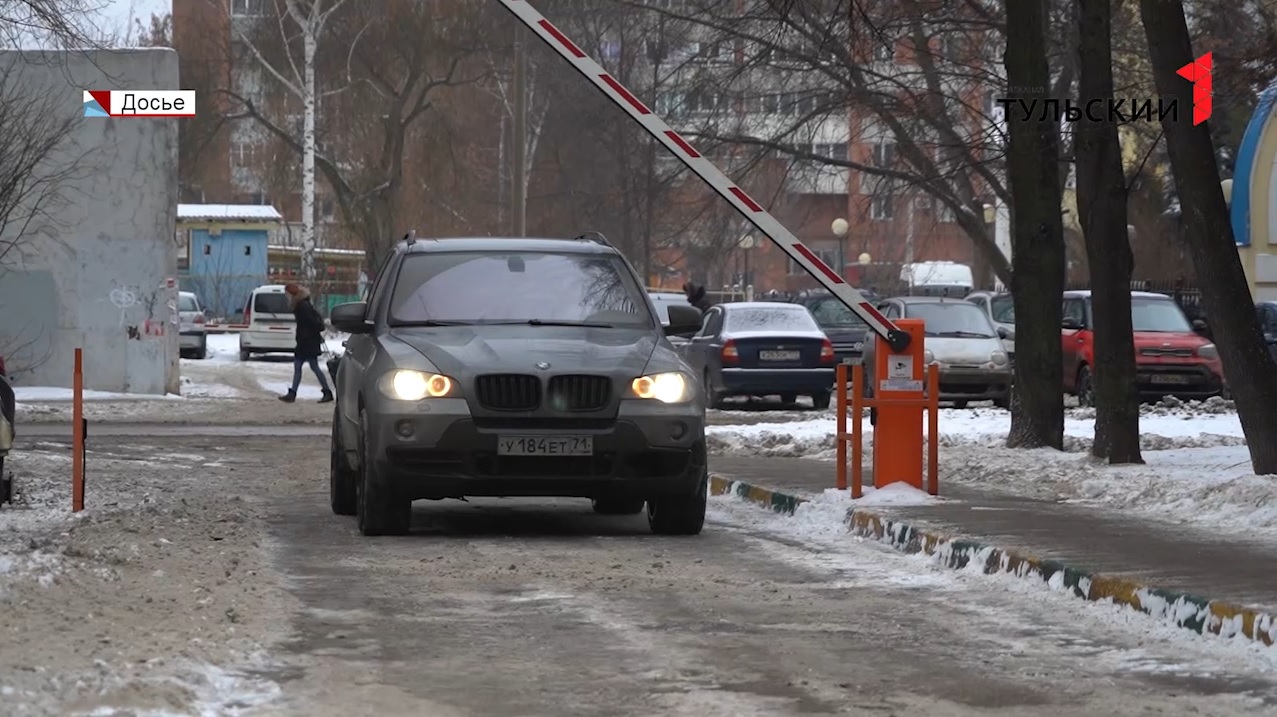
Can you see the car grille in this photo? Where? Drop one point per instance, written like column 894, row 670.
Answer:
column 508, row 392
column 580, row 393
column 1177, row 353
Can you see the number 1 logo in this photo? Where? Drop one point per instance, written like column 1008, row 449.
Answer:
column 1198, row 72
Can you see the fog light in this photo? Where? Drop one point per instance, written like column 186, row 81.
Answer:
column 678, row 430
column 404, row 428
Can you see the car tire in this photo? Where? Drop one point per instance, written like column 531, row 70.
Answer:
column 679, row 514
column 821, row 400
column 1085, row 387
column 788, row 398
column 203, row 349
column 379, row 511
column 960, row 405
column 343, row 492
column 712, row 398
column 244, row 355
column 618, row 506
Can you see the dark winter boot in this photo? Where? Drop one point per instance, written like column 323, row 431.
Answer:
column 327, row 397
column 289, row 397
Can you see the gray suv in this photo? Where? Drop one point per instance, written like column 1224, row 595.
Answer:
column 515, row 367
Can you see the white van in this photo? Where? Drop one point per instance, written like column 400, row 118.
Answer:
column 270, row 325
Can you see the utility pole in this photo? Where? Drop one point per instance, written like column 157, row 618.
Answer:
column 519, row 205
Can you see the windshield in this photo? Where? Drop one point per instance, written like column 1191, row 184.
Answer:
column 491, row 287
column 271, row 304
column 186, row 302
column 779, row 318
column 833, row 314
column 956, row 319
column 1158, row 316
column 1003, row 309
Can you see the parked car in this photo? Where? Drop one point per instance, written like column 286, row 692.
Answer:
column 8, row 407
column 844, row 329
column 762, row 348
column 974, row 364
column 1001, row 311
column 1171, row 358
column 271, row 326
column 515, row 367
column 193, row 338
column 1267, row 314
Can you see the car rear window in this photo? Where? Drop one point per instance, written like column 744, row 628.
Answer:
column 777, row 318
column 271, row 304
column 187, row 303
column 505, row 287
column 833, row 314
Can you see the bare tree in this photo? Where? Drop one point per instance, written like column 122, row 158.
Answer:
column 49, row 23
column 1248, row 366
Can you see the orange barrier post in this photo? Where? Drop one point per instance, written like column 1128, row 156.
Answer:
column 857, row 431
column 899, row 398
column 77, row 432
column 933, row 429
column 840, row 390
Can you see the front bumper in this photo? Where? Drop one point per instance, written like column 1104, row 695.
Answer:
column 968, row 384
column 191, row 339
column 448, row 453
column 267, row 340
column 1184, row 381
column 765, row 381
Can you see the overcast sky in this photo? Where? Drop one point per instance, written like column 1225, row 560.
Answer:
column 116, row 13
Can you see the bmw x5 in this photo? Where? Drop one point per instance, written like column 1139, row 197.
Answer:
column 515, row 368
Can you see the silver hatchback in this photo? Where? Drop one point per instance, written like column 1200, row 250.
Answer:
column 974, row 365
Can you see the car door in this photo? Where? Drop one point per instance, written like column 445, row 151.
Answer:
column 1073, row 341
column 702, row 349
column 361, row 348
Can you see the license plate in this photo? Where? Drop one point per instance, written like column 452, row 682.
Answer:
column 779, row 355
column 545, row 445
column 1169, row 378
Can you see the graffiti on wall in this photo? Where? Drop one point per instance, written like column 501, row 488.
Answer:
column 140, row 311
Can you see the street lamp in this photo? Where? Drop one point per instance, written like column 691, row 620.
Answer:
column 746, row 243
column 864, row 258
column 840, row 227
column 991, row 228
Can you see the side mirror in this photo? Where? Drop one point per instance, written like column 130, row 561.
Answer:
column 1071, row 324
column 683, row 320
column 1200, row 326
column 350, row 318
column 1004, row 333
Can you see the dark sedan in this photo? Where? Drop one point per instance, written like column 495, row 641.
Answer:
column 762, row 349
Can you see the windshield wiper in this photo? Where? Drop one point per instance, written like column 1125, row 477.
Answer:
column 961, row 335
column 551, row 322
column 431, row 322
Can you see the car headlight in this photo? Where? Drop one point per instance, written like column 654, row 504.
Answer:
column 407, row 385
column 671, row 387
column 998, row 358
column 1208, row 352
column 928, row 358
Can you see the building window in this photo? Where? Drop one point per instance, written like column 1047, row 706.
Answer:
column 242, row 155
column 828, row 256
column 884, row 154
column 950, row 47
column 673, row 104
column 885, row 51
column 836, row 151
column 208, row 250
column 247, row 8
column 881, row 207
column 248, row 250
column 326, row 209
column 946, row 214
column 258, row 198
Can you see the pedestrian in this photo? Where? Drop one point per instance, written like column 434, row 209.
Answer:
column 310, row 341
column 696, row 296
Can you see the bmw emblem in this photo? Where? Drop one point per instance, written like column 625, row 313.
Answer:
column 543, row 365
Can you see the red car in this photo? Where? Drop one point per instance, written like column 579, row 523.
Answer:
column 1171, row 358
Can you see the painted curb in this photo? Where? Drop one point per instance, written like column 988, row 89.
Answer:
column 1190, row 612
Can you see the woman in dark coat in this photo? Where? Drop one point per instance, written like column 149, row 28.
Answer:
column 696, row 296
column 310, row 342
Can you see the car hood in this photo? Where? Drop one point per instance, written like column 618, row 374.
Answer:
column 1159, row 339
column 962, row 351
column 468, row 350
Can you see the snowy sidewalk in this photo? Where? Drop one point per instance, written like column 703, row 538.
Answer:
column 1170, row 557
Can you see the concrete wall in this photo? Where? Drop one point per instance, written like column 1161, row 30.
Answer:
column 94, row 274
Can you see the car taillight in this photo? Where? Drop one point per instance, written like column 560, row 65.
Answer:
column 248, row 314
column 729, row 353
column 199, row 318
column 826, row 352
column 3, row 372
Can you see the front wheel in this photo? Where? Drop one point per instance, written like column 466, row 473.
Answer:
column 679, row 514
column 821, row 400
column 379, row 510
column 343, row 491
column 1085, row 387
column 244, row 355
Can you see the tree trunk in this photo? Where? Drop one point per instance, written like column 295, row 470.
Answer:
column 1249, row 368
column 1033, row 158
column 1101, row 200
column 310, row 42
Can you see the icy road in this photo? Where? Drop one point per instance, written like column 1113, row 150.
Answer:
column 198, row 603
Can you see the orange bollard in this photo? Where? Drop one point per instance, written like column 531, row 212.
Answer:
column 77, row 432
column 933, row 429
column 840, row 382
column 900, row 402
column 857, row 430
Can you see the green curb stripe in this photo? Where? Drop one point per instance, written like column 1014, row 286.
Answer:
column 1190, row 612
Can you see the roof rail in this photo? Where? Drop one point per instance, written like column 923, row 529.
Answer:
column 596, row 237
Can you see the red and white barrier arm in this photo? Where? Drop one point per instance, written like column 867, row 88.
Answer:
column 711, row 175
